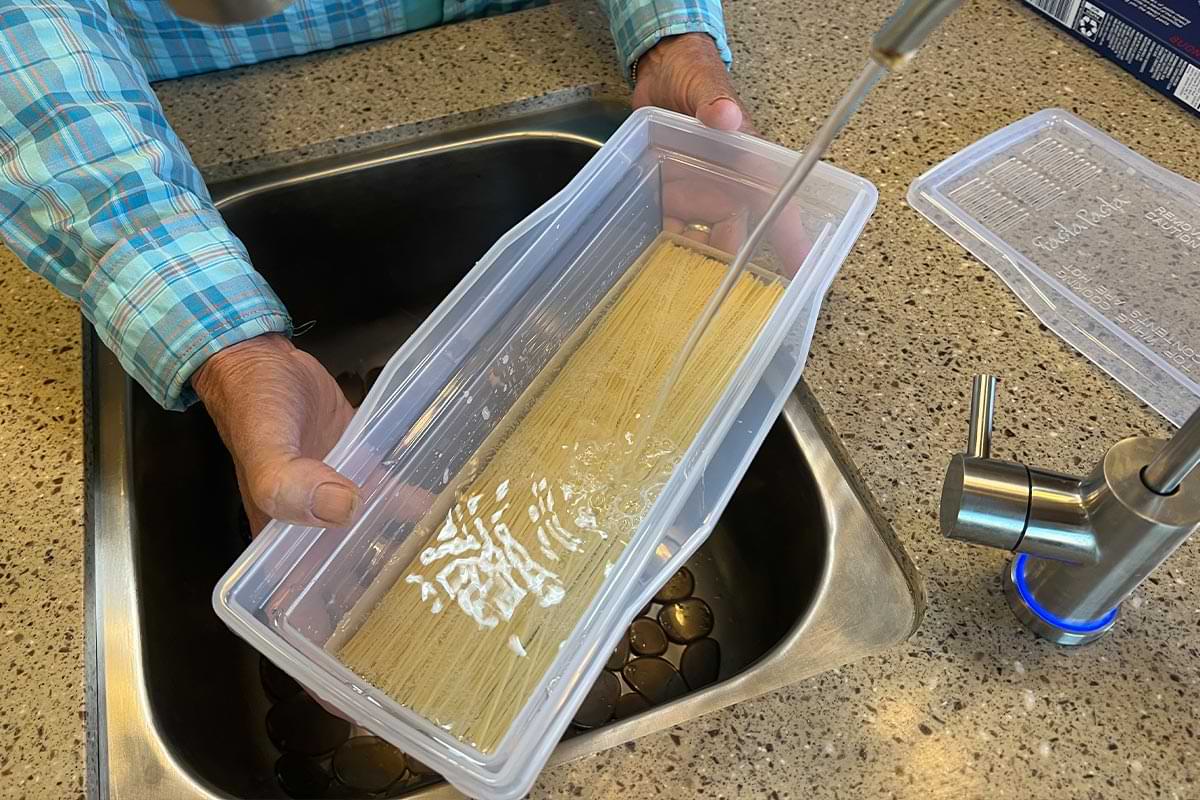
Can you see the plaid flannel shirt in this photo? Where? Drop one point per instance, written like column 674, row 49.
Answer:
column 99, row 196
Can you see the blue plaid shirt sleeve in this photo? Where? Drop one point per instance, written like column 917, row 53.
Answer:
column 638, row 25
column 100, row 197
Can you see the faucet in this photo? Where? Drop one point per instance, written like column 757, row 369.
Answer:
column 1082, row 544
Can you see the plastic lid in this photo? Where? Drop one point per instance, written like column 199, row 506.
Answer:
column 1100, row 243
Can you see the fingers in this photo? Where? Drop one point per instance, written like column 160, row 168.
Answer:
column 728, row 234
column 699, row 200
column 728, row 208
column 407, row 505
column 790, row 239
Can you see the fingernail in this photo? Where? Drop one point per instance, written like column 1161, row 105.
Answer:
column 334, row 503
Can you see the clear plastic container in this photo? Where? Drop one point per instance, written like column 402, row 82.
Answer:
column 1101, row 243
column 514, row 312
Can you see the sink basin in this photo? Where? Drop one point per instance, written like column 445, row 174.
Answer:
column 800, row 575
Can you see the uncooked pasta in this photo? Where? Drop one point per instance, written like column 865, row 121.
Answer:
column 470, row 627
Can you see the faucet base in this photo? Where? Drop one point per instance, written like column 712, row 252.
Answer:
column 1026, row 609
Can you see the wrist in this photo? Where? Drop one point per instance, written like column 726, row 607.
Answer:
column 231, row 364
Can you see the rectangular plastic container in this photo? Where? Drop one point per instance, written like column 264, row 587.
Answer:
column 437, row 402
column 1102, row 244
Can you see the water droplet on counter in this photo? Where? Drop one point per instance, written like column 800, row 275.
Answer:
column 620, row 654
column 646, row 637
column 277, row 683
column 655, row 679
column 687, row 620
column 299, row 725
column 630, row 704
column 679, row 587
column 601, row 701
column 301, row 777
column 700, row 663
column 368, row 763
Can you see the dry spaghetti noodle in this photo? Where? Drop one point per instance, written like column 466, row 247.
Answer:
column 467, row 632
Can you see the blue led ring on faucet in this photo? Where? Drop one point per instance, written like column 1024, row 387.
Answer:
column 1022, row 586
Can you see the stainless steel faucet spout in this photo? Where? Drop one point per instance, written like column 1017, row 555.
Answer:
column 1176, row 459
column 906, row 30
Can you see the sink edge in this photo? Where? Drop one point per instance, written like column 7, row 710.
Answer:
column 854, row 524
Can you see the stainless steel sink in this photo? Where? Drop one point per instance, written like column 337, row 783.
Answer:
column 804, row 575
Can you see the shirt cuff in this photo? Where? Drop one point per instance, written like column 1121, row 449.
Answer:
column 170, row 296
column 637, row 28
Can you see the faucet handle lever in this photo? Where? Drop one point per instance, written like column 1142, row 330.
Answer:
column 983, row 408
column 1003, row 504
column 984, row 501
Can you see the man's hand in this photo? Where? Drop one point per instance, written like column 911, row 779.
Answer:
column 280, row 412
column 685, row 74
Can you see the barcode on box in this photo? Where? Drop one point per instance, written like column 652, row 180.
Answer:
column 1064, row 11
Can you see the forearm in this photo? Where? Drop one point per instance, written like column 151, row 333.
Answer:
column 638, row 25
column 100, row 197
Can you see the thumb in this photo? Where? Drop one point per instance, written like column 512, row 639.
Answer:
column 306, row 491
column 279, row 411
column 710, row 97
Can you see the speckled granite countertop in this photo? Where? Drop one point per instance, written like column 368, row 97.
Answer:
column 972, row 706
